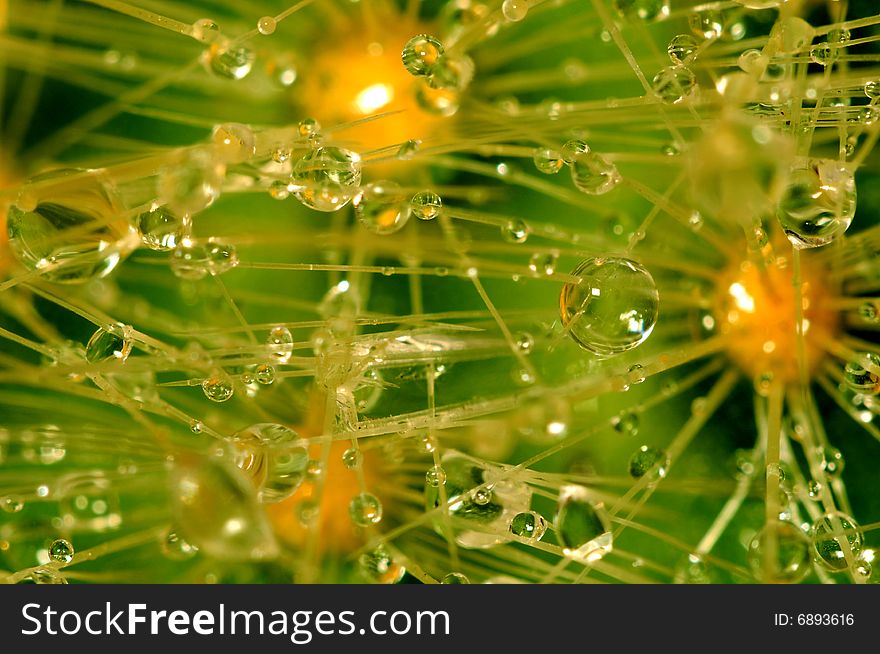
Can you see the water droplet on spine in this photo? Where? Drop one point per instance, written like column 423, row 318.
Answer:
column 420, row 54
column 583, row 527
column 71, row 228
column 327, row 178
column 382, row 207
column 365, row 509
column 613, row 308
column 426, row 205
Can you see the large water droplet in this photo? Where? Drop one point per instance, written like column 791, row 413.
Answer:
column 69, row 227
column 779, row 553
column 217, row 510
column 275, row 457
column 818, row 204
column 582, row 526
column 613, row 308
column 593, row 174
column 829, row 532
column 382, row 207
column 326, row 179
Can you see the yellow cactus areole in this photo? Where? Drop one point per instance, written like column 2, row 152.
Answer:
column 757, row 308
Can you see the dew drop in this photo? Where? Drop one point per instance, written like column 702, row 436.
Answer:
column 828, row 533
column 646, row 10
column 265, row 374
column 515, row 231
column 352, row 458
column 454, row 578
column 194, row 259
column 548, row 160
column 205, row 30
column 593, row 174
column 177, row 548
column 674, row 84
column 872, row 89
column 233, row 62
column 515, row 10
column 543, row 263
column 681, row 48
column 583, row 527
column 408, row 149
column 435, row 477
column 378, row 566
column 814, row 490
column 859, row 378
column 649, row 462
column 613, row 308
column 779, row 553
column 308, row 127
column 61, row 551
column 280, row 344
column 382, row 208
column 233, row 142
column 218, row 387
column 327, row 178
column 529, row 525
column 420, row 54
column 818, row 204
column 627, row 423
column 71, row 228
column 365, row 509
column 426, row 205
column 276, row 458
column 266, row 25
column 109, row 343
column 160, row 229
column 217, row 511
column 573, row 149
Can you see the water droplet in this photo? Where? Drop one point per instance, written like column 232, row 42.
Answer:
column 529, row 525
column 779, row 553
column 649, row 462
column 266, row 25
column 11, row 504
column 515, row 10
column 455, row 578
column 818, row 204
column 707, row 23
column 426, row 205
column 490, row 520
column 61, row 550
column 194, row 259
column 365, row 509
column 435, row 477
column 824, row 54
column 308, row 127
column 573, row 149
column 218, row 387
column 814, row 490
column 112, row 342
column 593, row 174
column 438, row 101
column 205, row 30
column 280, row 344
column 352, row 458
column 47, row 576
column 233, row 142
column 681, row 48
column 872, row 89
column 583, row 527
column 548, row 160
column 233, row 62
column 832, row 461
column 452, row 73
column 88, row 501
column 524, row 342
column 71, row 228
column 379, row 566
column 859, row 378
column 828, row 533
column 627, row 423
column 646, row 10
column 326, row 179
column 177, row 548
column 160, row 229
column 674, row 84
column 515, row 231
column 196, row 426
column 265, row 374
column 216, row 509
column 382, row 208
column 543, row 263
column 275, row 457
column 613, row 308
column 192, row 182
column 420, row 54
column 408, row 149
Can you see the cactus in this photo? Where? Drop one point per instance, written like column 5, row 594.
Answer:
column 442, row 292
